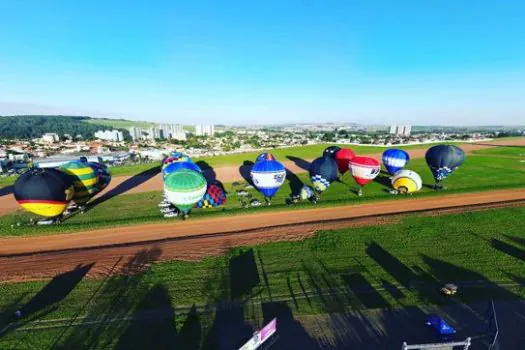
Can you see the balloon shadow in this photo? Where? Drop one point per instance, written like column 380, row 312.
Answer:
column 127, row 185
column 301, row 163
column 245, row 169
column 207, row 171
column 295, row 183
column 383, row 180
column 6, row 190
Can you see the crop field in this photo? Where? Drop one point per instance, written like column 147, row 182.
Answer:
column 482, row 171
column 385, row 266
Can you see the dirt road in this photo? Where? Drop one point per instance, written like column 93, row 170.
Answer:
column 231, row 173
column 38, row 257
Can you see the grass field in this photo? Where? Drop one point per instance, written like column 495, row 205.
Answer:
column 304, row 152
column 480, row 172
column 386, row 266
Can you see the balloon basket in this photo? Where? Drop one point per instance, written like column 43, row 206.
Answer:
column 46, row 222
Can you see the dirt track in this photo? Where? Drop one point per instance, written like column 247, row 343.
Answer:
column 232, row 173
column 192, row 240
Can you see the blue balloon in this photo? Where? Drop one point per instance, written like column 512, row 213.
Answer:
column 268, row 176
column 443, row 160
column 323, row 171
column 180, row 165
column 264, row 156
column 395, row 160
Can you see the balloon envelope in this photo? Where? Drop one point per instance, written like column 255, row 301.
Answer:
column 103, row 175
column 395, row 160
column 268, row 176
column 84, row 180
column 264, row 156
column 306, row 192
column 330, row 151
column 44, row 192
column 180, row 165
column 364, row 169
column 443, row 160
column 213, row 197
column 323, row 171
column 407, row 181
column 343, row 158
column 175, row 157
column 184, row 188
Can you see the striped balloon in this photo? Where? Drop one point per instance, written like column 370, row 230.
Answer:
column 84, row 180
column 407, row 181
column 184, row 188
column 268, row 175
column 395, row 159
column 364, row 169
column 103, row 175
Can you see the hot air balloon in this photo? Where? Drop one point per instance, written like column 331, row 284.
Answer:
column 364, row 170
column 184, row 188
column 395, row 160
column 44, row 192
column 213, row 197
column 343, row 158
column 443, row 160
column 175, row 157
column 84, row 180
column 103, row 175
column 306, row 192
column 406, row 181
column 323, row 171
column 264, row 156
column 180, row 165
column 330, row 151
column 267, row 176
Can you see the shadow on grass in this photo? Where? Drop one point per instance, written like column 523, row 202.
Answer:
column 245, row 169
column 295, row 183
column 127, row 185
column 299, row 162
column 48, row 299
column 508, row 249
column 4, row 191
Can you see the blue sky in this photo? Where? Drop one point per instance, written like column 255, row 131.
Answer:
column 419, row 62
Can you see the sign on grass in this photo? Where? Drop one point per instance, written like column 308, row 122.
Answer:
column 261, row 336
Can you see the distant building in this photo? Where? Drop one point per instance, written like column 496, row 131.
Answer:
column 110, row 135
column 50, row 137
column 401, row 130
column 163, row 131
column 204, row 130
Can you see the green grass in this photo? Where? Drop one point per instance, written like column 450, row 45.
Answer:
column 305, row 152
column 358, row 268
column 132, row 169
column 120, row 124
column 479, row 173
column 7, row 181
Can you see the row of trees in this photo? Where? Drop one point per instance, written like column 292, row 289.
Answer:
column 34, row 126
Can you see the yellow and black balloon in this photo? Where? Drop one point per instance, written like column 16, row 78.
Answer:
column 44, row 192
column 84, row 179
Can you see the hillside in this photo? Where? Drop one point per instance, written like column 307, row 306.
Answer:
column 118, row 123
column 34, row 126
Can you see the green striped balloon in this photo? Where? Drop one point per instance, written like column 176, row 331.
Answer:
column 84, row 180
column 184, row 188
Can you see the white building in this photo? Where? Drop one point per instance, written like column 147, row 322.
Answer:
column 401, row 130
column 204, row 130
column 110, row 135
column 135, row 133
column 50, row 137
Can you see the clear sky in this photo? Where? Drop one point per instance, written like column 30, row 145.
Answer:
column 377, row 61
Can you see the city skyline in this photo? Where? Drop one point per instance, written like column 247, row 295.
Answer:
column 202, row 63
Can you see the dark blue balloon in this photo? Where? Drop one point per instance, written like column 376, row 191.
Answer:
column 180, row 165
column 395, row 159
column 443, row 160
column 326, row 167
column 330, row 151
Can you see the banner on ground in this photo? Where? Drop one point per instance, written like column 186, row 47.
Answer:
column 261, row 336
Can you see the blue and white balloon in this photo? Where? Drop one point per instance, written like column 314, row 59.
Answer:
column 395, row 160
column 268, row 175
